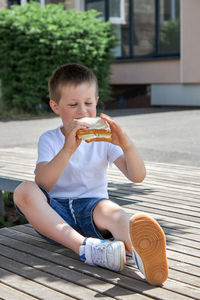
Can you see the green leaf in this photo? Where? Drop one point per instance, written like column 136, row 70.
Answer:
column 34, row 40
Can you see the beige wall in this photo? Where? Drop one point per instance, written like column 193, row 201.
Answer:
column 3, row 4
column 190, row 41
column 76, row 4
column 70, row 4
column 147, row 72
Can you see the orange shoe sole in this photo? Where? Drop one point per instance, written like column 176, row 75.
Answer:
column 149, row 242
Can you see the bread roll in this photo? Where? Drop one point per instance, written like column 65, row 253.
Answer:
column 99, row 130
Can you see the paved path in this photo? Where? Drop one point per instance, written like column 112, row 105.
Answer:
column 160, row 134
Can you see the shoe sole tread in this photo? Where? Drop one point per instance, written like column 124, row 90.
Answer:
column 148, row 240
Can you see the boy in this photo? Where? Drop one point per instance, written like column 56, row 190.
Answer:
column 69, row 204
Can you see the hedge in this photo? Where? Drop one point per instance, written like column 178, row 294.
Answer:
column 34, row 40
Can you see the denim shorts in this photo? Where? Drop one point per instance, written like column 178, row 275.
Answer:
column 78, row 213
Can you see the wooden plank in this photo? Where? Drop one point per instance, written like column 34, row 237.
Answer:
column 169, row 193
column 70, row 264
column 171, row 231
column 80, row 267
column 156, row 184
column 49, row 281
column 183, row 250
column 66, row 274
column 28, row 286
column 171, row 240
column 180, row 225
column 184, row 210
column 178, row 174
column 145, row 192
column 157, row 195
column 190, row 269
column 9, row 293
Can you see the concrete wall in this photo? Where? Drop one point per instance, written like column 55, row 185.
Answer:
column 190, row 41
column 76, row 4
column 3, row 4
column 146, row 72
column 175, row 94
column 187, row 92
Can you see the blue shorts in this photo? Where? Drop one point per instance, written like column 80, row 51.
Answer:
column 78, row 213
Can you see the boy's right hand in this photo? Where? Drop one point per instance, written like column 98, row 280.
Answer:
column 71, row 140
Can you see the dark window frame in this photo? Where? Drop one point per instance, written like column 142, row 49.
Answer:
column 13, row 2
column 132, row 57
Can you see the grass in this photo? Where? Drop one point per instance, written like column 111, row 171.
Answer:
column 11, row 218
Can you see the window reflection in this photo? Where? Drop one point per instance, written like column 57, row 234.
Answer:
column 169, row 27
column 114, row 8
column 144, row 27
column 98, row 5
column 122, row 32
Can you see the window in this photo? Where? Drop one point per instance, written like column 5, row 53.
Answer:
column 156, row 27
column 143, row 27
column 121, row 29
column 171, row 9
column 22, row 2
column 98, row 5
column 169, row 27
column 13, row 2
column 116, row 11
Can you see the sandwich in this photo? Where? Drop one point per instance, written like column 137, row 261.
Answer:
column 99, row 130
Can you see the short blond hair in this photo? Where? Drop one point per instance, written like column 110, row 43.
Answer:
column 74, row 74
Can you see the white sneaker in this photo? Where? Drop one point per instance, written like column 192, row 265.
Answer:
column 104, row 253
column 149, row 248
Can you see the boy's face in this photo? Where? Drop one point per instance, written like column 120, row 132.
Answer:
column 76, row 102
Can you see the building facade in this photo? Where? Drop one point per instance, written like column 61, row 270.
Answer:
column 158, row 48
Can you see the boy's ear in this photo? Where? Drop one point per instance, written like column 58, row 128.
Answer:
column 54, row 107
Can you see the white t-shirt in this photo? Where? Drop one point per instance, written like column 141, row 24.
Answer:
column 85, row 173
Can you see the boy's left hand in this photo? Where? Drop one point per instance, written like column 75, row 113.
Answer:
column 119, row 137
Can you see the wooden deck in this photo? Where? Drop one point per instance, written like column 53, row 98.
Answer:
column 31, row 268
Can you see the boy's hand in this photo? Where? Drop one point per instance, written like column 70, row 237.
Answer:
column 131, row 164
column 119, row 137
column 71, row 140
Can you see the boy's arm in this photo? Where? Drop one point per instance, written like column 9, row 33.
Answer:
column 48, row 173
column 131, row 163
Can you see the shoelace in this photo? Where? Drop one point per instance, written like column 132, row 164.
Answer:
column 99, row 254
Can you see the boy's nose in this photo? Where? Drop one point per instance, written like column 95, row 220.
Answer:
column 82, row 108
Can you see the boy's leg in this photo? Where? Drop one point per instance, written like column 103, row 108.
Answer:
column 141, row 234
column 33, row 203
column 109, row 216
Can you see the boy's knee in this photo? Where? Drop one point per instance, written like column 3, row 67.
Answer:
column 23, row 192
column 110, row 210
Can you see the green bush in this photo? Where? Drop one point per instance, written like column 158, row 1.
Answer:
column 35, row 40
